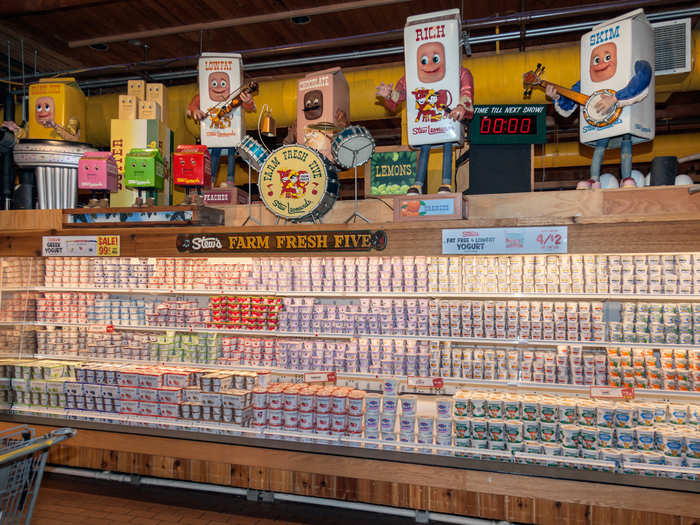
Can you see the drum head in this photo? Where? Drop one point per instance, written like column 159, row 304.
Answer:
column 352, row 147
column 252, row 152
column 295, row 181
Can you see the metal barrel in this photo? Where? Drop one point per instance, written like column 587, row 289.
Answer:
column 40, row 173
column 73, row 185
column 56, row 184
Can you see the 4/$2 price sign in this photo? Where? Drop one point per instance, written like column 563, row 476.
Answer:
column 486, row 241
column 81, row 246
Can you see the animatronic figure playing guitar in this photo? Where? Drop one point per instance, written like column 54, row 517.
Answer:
column 434, row 80
column 616, row 68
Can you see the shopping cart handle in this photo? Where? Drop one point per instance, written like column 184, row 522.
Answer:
column 63, row 433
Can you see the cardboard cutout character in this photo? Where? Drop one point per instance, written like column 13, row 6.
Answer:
column 220, row 78
column 437, row 90
column 617, row 75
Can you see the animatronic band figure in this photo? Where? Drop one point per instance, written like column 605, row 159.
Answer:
column 216, row 107
column 439, row 93
column 617, row 60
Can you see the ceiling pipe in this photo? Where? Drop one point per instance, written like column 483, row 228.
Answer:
column 257, row 66
column 232, row 22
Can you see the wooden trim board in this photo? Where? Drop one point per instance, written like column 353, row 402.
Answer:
column 492, row 494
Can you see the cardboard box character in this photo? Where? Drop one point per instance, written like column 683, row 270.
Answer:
column 150, row 109
column 128, row 107
column 433, row 61
column 97, row 170
column 437, row 90
column 220, row 76
column 136, row 88
column 192, row 166
column 320, row 98
column 144, row 168
column 157, row 93
column 57, row 110
column 617, row 81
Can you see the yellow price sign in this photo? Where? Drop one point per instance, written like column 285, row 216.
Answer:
column 108, row 245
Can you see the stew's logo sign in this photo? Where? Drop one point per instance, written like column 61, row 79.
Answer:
column 360, row 241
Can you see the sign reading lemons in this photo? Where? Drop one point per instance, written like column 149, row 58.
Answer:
column 391, row 172
column 297, row 184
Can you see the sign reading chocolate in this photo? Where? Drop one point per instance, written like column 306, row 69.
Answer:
column 297, row 184
column 358, row 240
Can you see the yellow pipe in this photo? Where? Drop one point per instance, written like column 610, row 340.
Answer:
column 497, row 80
column 570, row 154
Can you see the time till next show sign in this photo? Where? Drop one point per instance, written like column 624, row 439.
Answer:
column 338, row 241
column 508, row 124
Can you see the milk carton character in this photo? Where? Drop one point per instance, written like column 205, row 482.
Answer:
column 323, row 109
column 438, row 91
column 220, row 79
column 192, row 168
column 617, row 76
column 57, row 109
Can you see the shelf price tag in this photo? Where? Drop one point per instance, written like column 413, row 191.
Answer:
column 320, row 377
column 101, row 328
column 430, row 382
column 108, row 245
column 609, row 392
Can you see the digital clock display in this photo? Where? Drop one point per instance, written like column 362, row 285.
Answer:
column 508, row 124
column 512, row 125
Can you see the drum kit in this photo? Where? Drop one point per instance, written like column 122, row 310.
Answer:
column 287, row 197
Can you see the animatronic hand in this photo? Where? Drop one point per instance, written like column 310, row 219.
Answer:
column 341, row 119
column 384, row 90
column 198, row 115
column 458, row 112
column 551, row 92
column 14, row 128
column 606, row 103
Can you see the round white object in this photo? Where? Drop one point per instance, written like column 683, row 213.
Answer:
column 683, row 180
column 638, row 177
column 628, row 182
column 608, row 180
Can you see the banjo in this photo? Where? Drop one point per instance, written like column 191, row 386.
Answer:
column 592, row 115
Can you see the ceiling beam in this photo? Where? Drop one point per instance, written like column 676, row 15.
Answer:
column 232, row 22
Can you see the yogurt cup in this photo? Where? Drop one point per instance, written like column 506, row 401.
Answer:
column 625, row 415
column 548, row 411
column 678, row 414
column 514, row 431
column 569, row 435
column 373, row 403
column 645, row 438
column 606, row 415
column 531, row 430
column 408, row 404
column 462, row 427
column 496, row 430
column 625, row 438
column 479, row 429
column 389, row 404
column 549, row 432
column 495, row 408
column 443, row 406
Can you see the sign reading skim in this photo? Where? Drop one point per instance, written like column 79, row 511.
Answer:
column 359, row 241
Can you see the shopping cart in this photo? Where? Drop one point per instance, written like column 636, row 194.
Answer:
column 22, row 461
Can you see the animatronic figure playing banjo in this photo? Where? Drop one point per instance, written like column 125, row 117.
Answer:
column 617, row 60
column 437, row 90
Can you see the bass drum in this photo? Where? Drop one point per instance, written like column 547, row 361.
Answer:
column 298, row 184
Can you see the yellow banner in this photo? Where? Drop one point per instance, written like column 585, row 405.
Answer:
column 108, row 245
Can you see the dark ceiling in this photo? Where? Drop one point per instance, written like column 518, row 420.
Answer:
column 49, row 31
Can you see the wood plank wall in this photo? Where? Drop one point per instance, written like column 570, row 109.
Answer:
column 520, row 499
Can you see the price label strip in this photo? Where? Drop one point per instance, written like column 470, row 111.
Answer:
column 605, row 392
column 425, row 382
column 320, row 377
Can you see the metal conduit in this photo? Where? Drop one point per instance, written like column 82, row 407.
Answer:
column 295, row 498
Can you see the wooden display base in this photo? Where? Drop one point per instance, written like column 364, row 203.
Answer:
column 434, row 207
column 461, row 491
column 189, row 215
